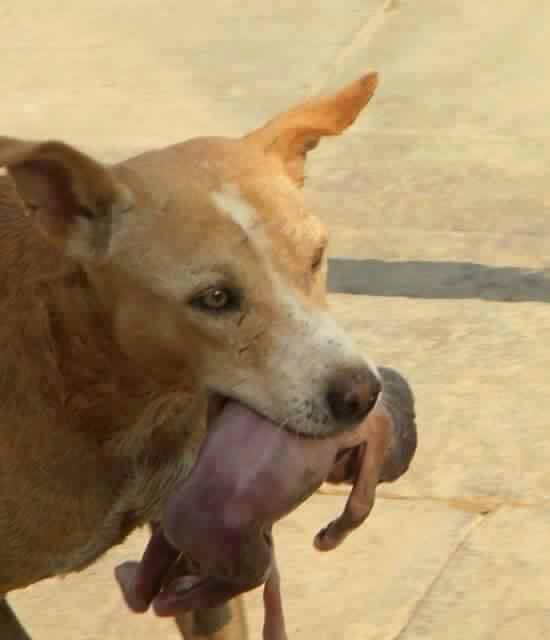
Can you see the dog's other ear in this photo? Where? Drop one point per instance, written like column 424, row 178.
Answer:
column 291, row 134
column 73, row 198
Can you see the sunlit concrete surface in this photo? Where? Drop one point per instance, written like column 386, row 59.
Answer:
column 438, row 205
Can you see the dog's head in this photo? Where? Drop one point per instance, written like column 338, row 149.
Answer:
column 209, row 263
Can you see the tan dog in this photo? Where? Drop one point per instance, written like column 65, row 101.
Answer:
column 137, row 298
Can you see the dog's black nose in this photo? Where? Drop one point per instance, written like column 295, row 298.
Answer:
column 352, row 394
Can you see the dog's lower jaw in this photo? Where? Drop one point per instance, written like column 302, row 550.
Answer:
column 305, row 427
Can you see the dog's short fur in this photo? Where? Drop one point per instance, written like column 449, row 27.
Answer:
column 111, row 337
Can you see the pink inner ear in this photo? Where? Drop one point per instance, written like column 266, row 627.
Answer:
column 45, row 190
column 50, row 183
column 56, row 177
column 59, row 186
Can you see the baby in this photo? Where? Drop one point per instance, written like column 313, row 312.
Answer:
column 226, row 547
column 386, row 454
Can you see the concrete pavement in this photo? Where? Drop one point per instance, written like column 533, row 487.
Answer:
column 438, row 204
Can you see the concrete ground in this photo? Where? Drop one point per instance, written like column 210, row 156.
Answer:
column 438, row 201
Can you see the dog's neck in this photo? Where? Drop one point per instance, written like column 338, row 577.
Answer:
column 57, row 345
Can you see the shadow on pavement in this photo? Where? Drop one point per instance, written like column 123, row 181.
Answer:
column 445, row 280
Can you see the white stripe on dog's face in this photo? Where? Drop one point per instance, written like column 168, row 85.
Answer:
column 231, row 202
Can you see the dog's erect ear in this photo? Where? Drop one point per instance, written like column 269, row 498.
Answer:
column 73, row 198
column 292, row 134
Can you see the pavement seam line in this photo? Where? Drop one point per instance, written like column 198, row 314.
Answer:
column 458, row 135
column 476, row 522
column 482, row 505
column 360, row 39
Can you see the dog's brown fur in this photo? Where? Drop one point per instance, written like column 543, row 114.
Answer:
column 105, row 367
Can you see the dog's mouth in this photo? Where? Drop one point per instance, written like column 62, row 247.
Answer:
column 214, row 540
column 216, row 403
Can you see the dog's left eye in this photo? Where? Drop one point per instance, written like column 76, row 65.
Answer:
column 217, row 300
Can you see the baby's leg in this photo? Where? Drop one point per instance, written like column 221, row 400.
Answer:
column 387, row 454
column 363, row 493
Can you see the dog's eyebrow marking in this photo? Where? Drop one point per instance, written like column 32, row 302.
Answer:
column 230, row 201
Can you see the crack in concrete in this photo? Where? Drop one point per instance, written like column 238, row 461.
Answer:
column 476, row 522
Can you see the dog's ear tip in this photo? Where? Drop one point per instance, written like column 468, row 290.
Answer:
column 370, row 78
column 368, row 82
